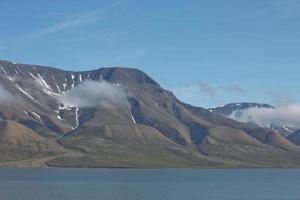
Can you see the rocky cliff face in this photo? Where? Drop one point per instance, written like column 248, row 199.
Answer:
column 120, row 117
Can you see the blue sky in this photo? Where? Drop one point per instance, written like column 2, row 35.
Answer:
column 207, row 52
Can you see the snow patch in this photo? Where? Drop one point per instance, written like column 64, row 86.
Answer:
column 117, row 84
column 58, row 89
column 36, row 115
column 70, row 107
column 17, row 72
column 287, row 129
column 33, row 76
column 24, row 92
column 46, row 88
column 3, row 70
column 43, row 82
column 65, row 86
column 10, row 78
column 77, row 117
column 133, row 119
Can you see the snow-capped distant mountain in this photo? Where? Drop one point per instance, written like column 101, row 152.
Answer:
column 228, row 109
column 238, row 111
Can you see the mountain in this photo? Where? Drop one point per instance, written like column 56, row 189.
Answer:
column 232, row 108
column 121, row 117
column 238, row 111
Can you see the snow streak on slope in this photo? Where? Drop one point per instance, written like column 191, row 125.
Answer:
column 133, row 120
column 25, row 93
column 77, row 117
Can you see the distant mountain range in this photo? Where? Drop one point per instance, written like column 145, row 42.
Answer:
column 121, row 117
column 238, row 111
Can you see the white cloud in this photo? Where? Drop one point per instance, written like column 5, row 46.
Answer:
column 233, row 88
column 91, row 93
column 282, row 98
column 277, row 9
column 288, row 115
column 208, row 90
column 5, row 96
column 197, row 88
column 71, row 22
column 79, row 20
column 207, row 95
column 285, row 9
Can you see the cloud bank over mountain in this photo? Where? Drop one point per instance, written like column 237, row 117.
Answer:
column 91, row 93
column 288, row 115
column 5, row 96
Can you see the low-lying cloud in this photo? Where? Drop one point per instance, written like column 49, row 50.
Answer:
column 5, row 96
column 288, row 115
column 233, row 88
column 205, row 94
column 211, row 91
column 91, row 94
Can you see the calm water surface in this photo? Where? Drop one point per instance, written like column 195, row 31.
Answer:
column 94, row 184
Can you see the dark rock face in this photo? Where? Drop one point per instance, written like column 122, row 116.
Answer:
column 149, row 128
column 295, row 138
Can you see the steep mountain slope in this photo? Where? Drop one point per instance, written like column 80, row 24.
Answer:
column 120, row 117
column 238, row 111
column 18, row 142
